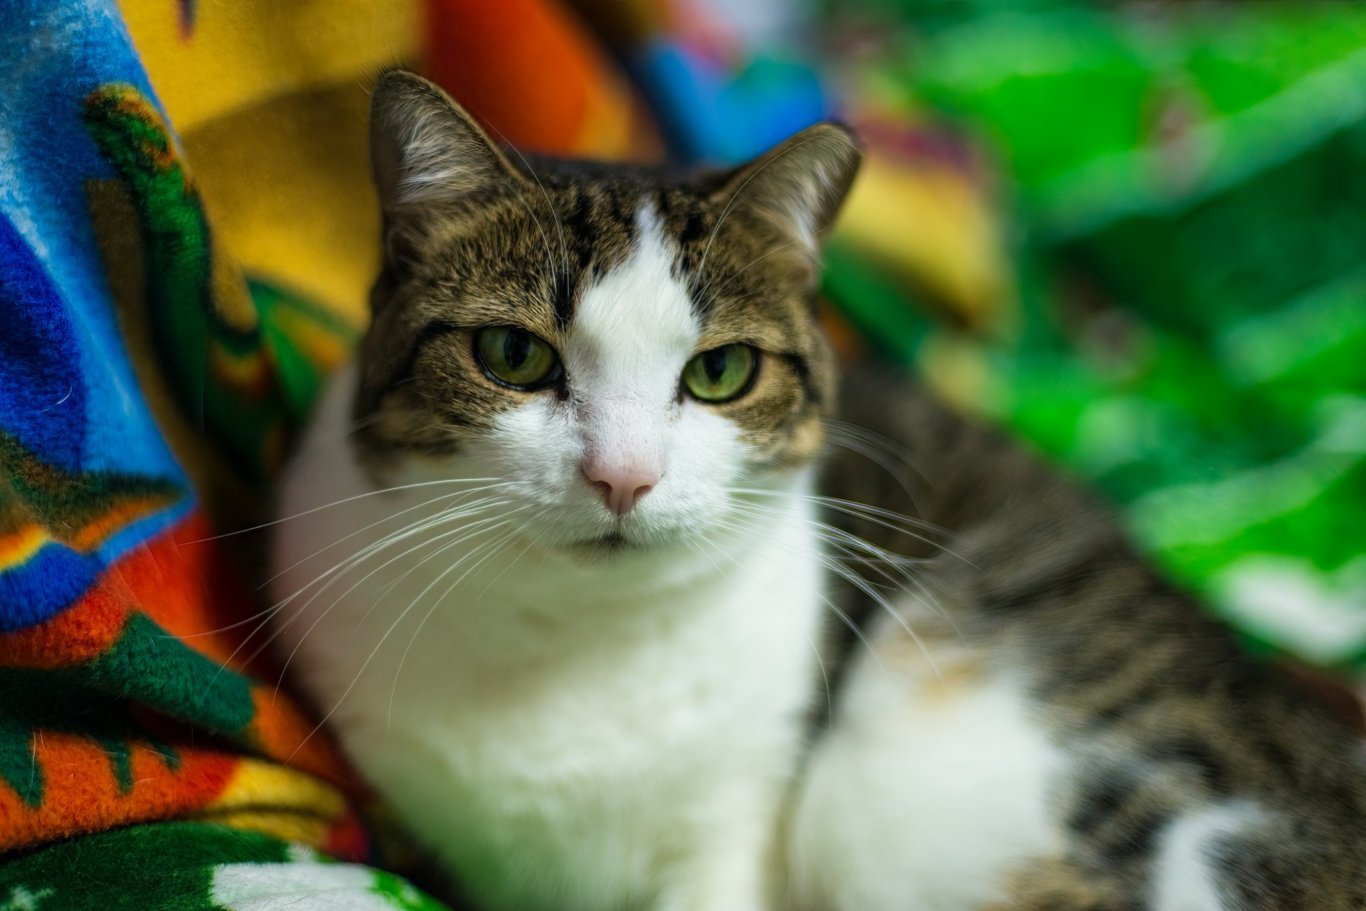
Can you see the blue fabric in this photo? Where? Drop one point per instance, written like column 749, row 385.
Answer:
column 80, row 440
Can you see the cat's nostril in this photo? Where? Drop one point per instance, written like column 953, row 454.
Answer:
column 620, row 489
column 636, row 494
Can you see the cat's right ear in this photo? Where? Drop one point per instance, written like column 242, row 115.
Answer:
column 425, row 149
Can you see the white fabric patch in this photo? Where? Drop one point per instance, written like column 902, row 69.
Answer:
column 21, row 899
column 1288, row 600
column 308, row 884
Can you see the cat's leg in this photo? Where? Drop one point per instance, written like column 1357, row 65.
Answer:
column 1240, row 855
column 1060, row 885
column 1179, row 845
column 1199, row 861
column 716, row 881
column 728, row 864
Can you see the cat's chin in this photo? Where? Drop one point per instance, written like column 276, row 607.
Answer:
column 616, row 548
column 610, row 543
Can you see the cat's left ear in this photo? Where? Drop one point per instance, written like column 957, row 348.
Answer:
column 425, row 149
column 800, row 184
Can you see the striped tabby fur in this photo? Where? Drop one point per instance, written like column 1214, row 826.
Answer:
column 1168, row 721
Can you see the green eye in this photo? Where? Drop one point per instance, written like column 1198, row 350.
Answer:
column 721, row 374
column 516, row 358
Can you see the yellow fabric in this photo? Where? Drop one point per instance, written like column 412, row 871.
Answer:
column 257, row 791
column 932, row 227
column 269, row 99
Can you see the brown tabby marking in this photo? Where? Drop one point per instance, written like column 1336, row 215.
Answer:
column 521, row 247
column 1161, row 709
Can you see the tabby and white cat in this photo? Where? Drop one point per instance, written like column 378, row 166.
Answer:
column 557, row 570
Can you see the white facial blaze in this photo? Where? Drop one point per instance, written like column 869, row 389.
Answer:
column 632, row 333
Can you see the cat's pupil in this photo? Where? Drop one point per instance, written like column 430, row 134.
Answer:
column 516, row 347
column 714, row 364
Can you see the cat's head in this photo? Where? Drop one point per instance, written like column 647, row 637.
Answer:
column 621, row 348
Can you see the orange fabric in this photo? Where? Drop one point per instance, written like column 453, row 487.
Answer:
column 74, row 636
column 529, row 72
column 187, row 583
column 82, row 794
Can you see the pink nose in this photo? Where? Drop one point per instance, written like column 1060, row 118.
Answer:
column 621, row 486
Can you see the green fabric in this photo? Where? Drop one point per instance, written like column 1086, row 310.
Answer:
column 175, row 239
column 196, row 867
column 1190, row 202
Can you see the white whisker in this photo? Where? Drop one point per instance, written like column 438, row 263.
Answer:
column 345, row 565
column 464, row 531
column 462, row 493
column 341, row 502
column 700, row 549
column 403, row 659
column 847, row 541
column 341, row 569
column 375, row 651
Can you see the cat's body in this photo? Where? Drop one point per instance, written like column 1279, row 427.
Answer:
column 1082, row 715
column 576, row 746
column 571, row 613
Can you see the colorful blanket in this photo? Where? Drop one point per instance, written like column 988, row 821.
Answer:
column 187, row 235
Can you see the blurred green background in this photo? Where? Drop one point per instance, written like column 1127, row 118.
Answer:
column 1181, row 201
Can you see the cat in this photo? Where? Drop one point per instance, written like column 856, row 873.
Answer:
column 564, row 563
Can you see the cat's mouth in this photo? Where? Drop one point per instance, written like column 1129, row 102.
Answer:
column 610, row 543
column 623, row 542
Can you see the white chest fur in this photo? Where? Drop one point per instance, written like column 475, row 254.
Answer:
column 555, row 742
column 931, row 787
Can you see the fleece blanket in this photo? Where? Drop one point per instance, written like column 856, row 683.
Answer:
column 186, row 239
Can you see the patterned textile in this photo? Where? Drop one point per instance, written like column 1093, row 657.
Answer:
column 188, row 866
column 128, row 694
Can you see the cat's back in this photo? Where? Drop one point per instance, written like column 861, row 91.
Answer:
column 1077, row 707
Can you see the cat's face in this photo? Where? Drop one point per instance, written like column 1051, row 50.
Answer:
column 620, row 351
